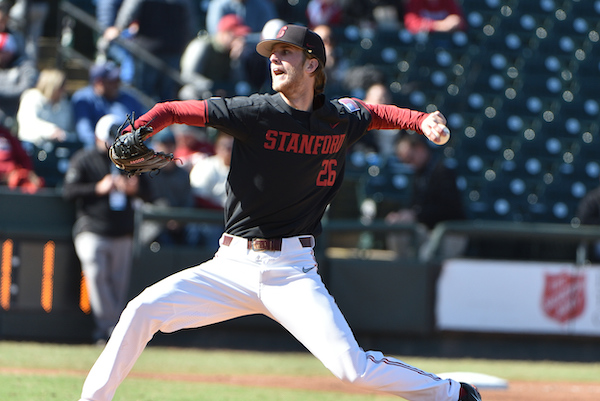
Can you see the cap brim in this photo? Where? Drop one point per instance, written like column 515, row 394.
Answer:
column 265, row 47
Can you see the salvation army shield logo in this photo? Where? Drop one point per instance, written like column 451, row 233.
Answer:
column 564, row 296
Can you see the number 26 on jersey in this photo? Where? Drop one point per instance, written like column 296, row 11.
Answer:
column 327, row 174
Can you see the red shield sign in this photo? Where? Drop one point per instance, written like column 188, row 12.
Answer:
column 564, row 296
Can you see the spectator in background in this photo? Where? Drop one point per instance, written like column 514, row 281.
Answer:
column 17, row 71
column 29, row 17
column 163, row 28
column 16, row 168
column 372, row 13
column 254, row 13
column 382, row 140
column 387, row 14
column 168, row 188
column 588, row 212
column 106, row 15
column 45, row 113
column 103, row 230
column 192, row 144
column 324, row 12
column 208, row 176
column 379, row 144
column 207, row 64
column 433, row 16
column 209, row 182
column 337, row 66
column 252, row 68
column 359, row 78
column 434, row 198
column 102, row 96
column 271, row 29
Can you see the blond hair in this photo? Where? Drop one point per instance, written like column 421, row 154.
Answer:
column 50, row 81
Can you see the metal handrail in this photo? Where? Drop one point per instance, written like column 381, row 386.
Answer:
column 330, row 227
column 182, row 214
column 581, row 234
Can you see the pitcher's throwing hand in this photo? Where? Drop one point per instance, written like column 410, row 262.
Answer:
column 434, row 128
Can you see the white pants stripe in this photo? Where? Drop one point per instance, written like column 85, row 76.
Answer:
column 283, row 285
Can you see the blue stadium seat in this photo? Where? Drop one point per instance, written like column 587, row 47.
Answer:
column 562, row 204
column 590, row 8
column 588, row 68
column 518, row 91
column 513, row 44
column 539, row 6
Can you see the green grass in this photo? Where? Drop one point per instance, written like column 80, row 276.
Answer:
column 41, row 388
column 58, row 372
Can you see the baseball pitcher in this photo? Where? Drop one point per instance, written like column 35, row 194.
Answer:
column 287, row 164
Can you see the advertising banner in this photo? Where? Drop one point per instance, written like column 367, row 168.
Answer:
column 518, row 297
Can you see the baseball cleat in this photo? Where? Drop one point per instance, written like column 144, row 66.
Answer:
column 468, row 392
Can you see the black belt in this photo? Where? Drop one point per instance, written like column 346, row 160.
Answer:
column 263, row 244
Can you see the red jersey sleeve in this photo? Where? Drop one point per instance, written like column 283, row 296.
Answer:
column 188, row 112
column 384, row 116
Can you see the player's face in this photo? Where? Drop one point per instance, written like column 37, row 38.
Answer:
column 287, row 64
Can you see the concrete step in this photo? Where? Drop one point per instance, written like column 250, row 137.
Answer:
column 75, row 69
column 47, row 52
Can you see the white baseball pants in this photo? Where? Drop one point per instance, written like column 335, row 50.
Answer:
column 283, row 285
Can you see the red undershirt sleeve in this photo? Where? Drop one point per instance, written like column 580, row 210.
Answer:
column 392, row 117
column 161, row 115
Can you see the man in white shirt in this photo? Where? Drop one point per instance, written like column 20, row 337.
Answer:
column 208, row 176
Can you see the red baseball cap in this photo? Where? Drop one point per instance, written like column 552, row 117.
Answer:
column 7, row 43
column 233, row 23
column 297, row 35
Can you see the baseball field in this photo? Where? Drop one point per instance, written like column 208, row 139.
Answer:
column 36, row 372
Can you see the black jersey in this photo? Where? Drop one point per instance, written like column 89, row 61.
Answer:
column 286, row 164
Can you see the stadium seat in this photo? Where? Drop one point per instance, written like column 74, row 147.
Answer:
column 513, row 44
column 588, row 146
column 389, row 186
column 588, row 68
column 538, row 6
column 517, row 91
column 562, row 204
column 589, row 8
column 573, row 121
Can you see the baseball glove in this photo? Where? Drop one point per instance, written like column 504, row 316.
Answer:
column 129, row 153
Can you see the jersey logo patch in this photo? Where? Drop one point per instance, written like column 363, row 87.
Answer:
column 349, row 104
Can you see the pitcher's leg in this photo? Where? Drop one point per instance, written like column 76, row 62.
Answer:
column 129, row 338
column 191, row 298
column 309, row 312
column 378, row 372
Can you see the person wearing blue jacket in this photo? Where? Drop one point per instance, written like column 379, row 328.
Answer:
column 104, row 95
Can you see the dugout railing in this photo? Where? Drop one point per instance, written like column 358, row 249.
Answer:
column 42, row 297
